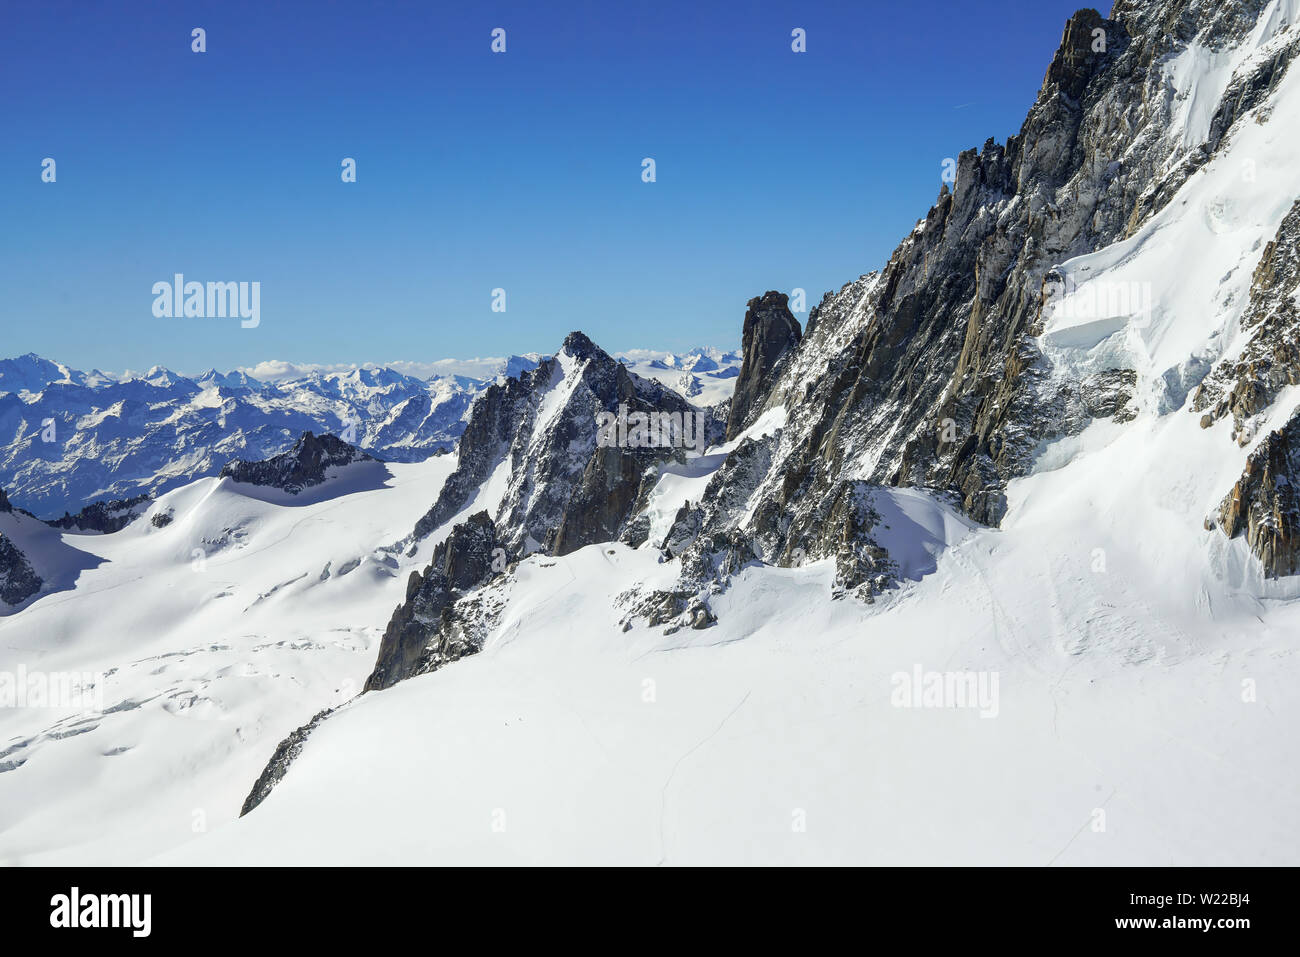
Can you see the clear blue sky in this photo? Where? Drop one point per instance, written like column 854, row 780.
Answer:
column 475, row 170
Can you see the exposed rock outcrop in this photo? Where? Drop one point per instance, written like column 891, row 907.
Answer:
column 18, row 580
column 425, row 631
column 563, row 489
column 303, row 466
column 770, row 331
column 1265, row 502
column 105, row 517
column 929, row 373
column 1270, row 359
column 284, row 755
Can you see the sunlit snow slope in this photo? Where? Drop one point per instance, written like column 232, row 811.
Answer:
column 218, row 634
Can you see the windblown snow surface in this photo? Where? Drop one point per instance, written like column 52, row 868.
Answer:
column 1146, row 673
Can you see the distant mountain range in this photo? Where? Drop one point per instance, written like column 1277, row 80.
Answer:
column 70, row 438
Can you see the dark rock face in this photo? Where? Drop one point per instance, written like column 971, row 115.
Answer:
column 929, row 373
column 1265, row 503
column 423, row 634
column 502, row 409
column 18, row 580
column 301, row 467
column 685, row 529
column 563, row 491
column 105, row 517
column 1270, row 360
column 714, row 540
column 1106, row 395
column 278, row 766
column 841, row 529
column 724, row 499
column 636, row 532
column 770, row 331
column 603, row 498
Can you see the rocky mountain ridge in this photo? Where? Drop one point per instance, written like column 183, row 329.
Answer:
column 949, row 371
column 306, row 464
column 931, row 373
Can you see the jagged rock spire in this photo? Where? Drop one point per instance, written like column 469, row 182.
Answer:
column 770, row 331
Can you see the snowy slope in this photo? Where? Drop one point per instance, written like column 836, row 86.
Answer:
column 1166, row 302
column 218, row 633
column 773, row 737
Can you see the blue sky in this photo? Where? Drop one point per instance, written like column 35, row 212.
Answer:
column 475, row 170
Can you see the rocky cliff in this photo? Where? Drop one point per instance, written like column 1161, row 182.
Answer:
column 427, row 631
column 561, row 489
column 1265, row 504
column 18, row 580
column 304, row 465
column 769, row 331
column 105, row 517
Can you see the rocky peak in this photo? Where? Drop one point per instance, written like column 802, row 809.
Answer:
column 770, row 331
column 577, row 344
column 563, row 488
column 4, row 502
column 931, row 372
column 302, row 466
column 1080, row 55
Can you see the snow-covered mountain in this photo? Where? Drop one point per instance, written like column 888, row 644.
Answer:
column 706, row 376
column 993, row 560
column 68, row 439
